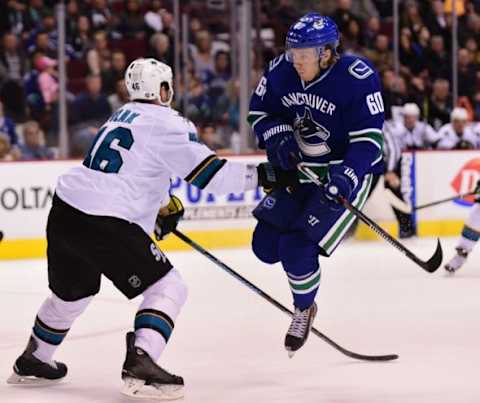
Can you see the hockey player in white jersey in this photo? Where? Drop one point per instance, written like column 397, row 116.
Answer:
column 458, row 134
column 102, row 214
column 412, row 132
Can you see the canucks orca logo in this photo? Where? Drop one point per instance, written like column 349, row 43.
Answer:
column 311, row 136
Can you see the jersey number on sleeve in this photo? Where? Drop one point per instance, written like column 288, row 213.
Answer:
column 104, row 154
column 375, row 103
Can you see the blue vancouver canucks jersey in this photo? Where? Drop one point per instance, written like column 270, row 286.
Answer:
column 337, row 118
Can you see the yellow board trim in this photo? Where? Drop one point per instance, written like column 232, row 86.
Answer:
column 228, row 238
column 214, row 239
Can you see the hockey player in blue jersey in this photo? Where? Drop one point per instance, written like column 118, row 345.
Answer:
column 324, row 110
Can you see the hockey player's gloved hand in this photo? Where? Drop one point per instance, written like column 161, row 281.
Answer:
column 271, row 177
column 288, row 152
column 168, row 218
column 342, row 181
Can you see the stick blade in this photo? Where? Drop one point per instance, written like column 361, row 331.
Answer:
column 435, row 261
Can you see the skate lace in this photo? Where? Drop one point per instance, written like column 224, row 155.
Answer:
column 299, row 324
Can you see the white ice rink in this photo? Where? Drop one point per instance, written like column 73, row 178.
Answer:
column 228, row 343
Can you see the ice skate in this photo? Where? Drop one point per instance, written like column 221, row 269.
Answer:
column 457, row 261
column 299, row 329
column 146, row 380
column 29, row 370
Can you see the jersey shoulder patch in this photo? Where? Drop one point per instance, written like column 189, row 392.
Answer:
column 360, row 70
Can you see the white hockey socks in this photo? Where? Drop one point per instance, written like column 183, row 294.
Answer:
column 154, row 321
column 53, row 322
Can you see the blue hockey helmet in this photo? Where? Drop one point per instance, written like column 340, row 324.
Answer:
column 312, row 31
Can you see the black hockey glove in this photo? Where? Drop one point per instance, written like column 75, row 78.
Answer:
column 168, row 218
column 272, row 178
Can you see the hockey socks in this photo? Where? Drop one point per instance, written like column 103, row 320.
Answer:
column 304, row 288
column 152, row 330
column 53, row 321
column 154, row 321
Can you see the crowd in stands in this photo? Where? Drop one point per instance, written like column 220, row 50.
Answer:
column 103, row 36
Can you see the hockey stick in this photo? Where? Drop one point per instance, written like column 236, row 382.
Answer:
column 430, row 265
column 407, row 209
column 461, row 196
column 277, row 304
column 1, row 235
column 396, row 202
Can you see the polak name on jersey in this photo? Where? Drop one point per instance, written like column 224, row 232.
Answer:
column 312, row 100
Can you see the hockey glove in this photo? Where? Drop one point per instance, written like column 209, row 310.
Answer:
column 288, row 152
column 168, row 218
column 341, row 182
column 272, row 178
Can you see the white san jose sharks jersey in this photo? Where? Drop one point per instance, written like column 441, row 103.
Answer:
column 126, row 173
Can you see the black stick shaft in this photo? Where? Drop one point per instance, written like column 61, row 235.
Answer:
column 277, row 304
column 431, row 204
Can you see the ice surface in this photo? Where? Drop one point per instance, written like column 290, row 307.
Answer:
column 228, row 343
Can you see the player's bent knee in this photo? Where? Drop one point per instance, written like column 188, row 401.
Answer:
column 171, row 286
column 265, row 243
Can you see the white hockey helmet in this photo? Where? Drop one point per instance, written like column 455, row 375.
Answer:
column 144, row 77
column 459, row 114
column 411, row 109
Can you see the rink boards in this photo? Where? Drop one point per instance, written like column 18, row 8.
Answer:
column 26, row 189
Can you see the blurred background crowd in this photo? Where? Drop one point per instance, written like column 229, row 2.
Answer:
column 103, row 36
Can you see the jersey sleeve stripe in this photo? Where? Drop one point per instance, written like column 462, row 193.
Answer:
column 364, row 131
column 373, row 137
column 203, row 173
column 254, row 117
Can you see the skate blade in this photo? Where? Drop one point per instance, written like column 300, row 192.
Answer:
column 31, row 381
column 136, row 389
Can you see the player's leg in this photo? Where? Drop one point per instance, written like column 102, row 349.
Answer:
column 265, row 242
column 468, row 239
column 299, row 257
column 139, row 267
column 73, row 283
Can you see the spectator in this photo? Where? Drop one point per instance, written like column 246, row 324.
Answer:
column 437, row 20
column 153, row 17
column 33, row 145
column 47, row 80
column 100, row 15
column 92, row 106
column 466, row 74
column 116, row 72
column 343, row 15
column 12, row 58
column 438, row 60
column 132, row 23
column 351, row 39
column 81, row 38
column 120, row 97
column 5, row 154
column 208, row 136
column 412, row 19
column 43, row 44
column 371, row 31
column 284, row 15
column 395, row 92
column 202, row 55
column 7, row 127
column 457, row 135
column 380, row 55
column 160, row 48
column 35, row 11
column 439, row 105
column 100, row 53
